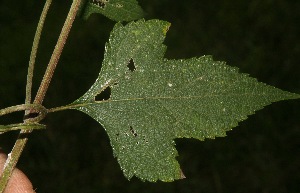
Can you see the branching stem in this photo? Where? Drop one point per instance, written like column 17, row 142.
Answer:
column 34, row 107
column 22, row 139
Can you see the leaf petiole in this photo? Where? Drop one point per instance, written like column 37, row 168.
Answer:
column 33, row 107
column 23, row 126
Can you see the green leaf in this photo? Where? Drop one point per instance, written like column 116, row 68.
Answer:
column 117, row 10
column 150, row 100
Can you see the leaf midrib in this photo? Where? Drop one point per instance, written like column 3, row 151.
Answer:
column 74, row 105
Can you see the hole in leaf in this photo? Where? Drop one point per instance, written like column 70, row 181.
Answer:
column 118, row 5
column 131, row 65
column 104, row 95
column 117, row 136
column 144, row 139
column 100, row 3
column 133, row 131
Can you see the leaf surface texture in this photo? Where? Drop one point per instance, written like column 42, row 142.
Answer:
column 151, row 100
column 117, row 10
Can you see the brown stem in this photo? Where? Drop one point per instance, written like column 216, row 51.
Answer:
column 57, row 52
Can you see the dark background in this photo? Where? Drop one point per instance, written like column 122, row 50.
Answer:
column 74, row 154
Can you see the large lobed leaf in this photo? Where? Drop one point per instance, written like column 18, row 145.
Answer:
column 153, row 100
column 117, row 10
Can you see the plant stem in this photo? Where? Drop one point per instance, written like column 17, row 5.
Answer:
column 35, row 107
column 62, row 108
column 57, row 52
column 34, row 49
column 20, row 143
column 13, row 157
column 18, row 126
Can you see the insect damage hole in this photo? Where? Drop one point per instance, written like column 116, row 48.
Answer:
column 133, row 131
column 118, row 5
column 104, row 95
column 100, row 3
column 117, row 136
column 131, row 65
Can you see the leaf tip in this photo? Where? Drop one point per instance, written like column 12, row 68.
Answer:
column 166, row 28
column 182, row 176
